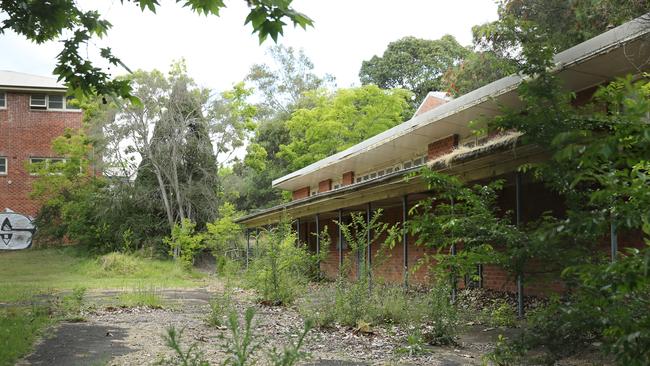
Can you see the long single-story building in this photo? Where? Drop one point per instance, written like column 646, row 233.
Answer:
column 371, row 174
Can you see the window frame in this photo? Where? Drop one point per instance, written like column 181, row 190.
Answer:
column 6, row 166
column 46, row 107
column 4, row 98
column 47, row 161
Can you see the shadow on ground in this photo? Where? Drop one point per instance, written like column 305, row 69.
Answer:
column 79, row 344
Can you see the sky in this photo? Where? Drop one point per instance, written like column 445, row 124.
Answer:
column 219, row 51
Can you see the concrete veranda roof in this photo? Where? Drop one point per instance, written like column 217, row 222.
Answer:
column 622, row 50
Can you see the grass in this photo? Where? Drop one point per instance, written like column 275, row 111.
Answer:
column 19, row 328
column 29, row 274
column 146, row 297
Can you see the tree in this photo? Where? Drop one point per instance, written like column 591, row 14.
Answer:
column 282, row 87
column 556, row 24
column 413, row 64
column 65, row 21
column 340, row 120
column 172, row 140
column 476, row 70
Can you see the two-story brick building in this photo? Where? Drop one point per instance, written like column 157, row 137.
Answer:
column 33, row 111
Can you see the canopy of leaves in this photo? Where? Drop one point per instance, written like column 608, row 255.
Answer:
column 413, row 64
column 340, row 120
column 476, row 70
column 65, row 21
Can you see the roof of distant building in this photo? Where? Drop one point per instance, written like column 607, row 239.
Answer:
column 14, row 80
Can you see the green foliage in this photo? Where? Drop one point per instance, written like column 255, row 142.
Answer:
column 141, row 297
column 184, row 243
column 242, row 344
column 476, row 69
column 290, row 355
column 413, row 64
column 19, row 328
column 75, row 28
column 282, row 269
column 182, row 357
column 499, row 314
column 443, row 315
column 361, row 233
column 334, row 122
column 71, row 307
column 220, row 306
column 223, row 235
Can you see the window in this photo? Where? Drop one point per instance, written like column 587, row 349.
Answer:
column 407, row 165
column 380, row 173
column 373, row 175
column 40, row 163
column 71, row 103
column 3, row 165
column 337, row 186
column 366, row 177
column 358, row 179
column 3, row 100
column 55, row 102
column 417, row 161
column 38, row 101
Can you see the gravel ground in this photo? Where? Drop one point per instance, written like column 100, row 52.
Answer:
column 116, row 336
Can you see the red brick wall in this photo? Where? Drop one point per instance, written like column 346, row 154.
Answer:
column 430, row 102
column 325, row 185
column 26, row 133
column 442, row 146
column 300, row 193
column 348, row 178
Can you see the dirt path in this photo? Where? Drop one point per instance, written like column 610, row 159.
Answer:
column 114, row 336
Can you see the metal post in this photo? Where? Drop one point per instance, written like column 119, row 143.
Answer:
column 453, row 252
column 480, row 275
column 298, row 231
column 369, row 249
column 405, row 239
column 613, row 237
column 248, row 245
column 318, row 243
column 257, row 242
column 520, row 277
column 340, row 240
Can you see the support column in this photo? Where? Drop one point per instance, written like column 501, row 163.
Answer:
column 613, row 238
column 318, row 243
column 454, row 290
column 520, row 277
column 257, row 242
column 248, row 245
column 298, row 231
column 368, row 248
column 405, row 239
column 340, row 222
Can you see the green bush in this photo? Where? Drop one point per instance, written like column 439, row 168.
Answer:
column 184, row 243
column 499, row 314
column 118, row 264
column 220, row 307
column 442, row 315
column 282, row 270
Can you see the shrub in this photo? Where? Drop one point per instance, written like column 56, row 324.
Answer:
column 499, row 314
column 442, row 315
column 282, row 270
column 144, row 297
column 220, row 307
column 118, row 264
column 184, row 243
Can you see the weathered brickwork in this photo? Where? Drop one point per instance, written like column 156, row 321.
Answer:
column 442, row 146
column 300, row 193
column 26, row 133
column 325, row 185
column 347, row 179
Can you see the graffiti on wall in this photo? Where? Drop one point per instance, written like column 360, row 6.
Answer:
column 16, row 230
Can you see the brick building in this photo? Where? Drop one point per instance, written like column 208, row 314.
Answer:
column 370, row 175
column 33, row 111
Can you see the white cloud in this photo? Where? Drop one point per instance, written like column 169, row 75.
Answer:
column 219, row 51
